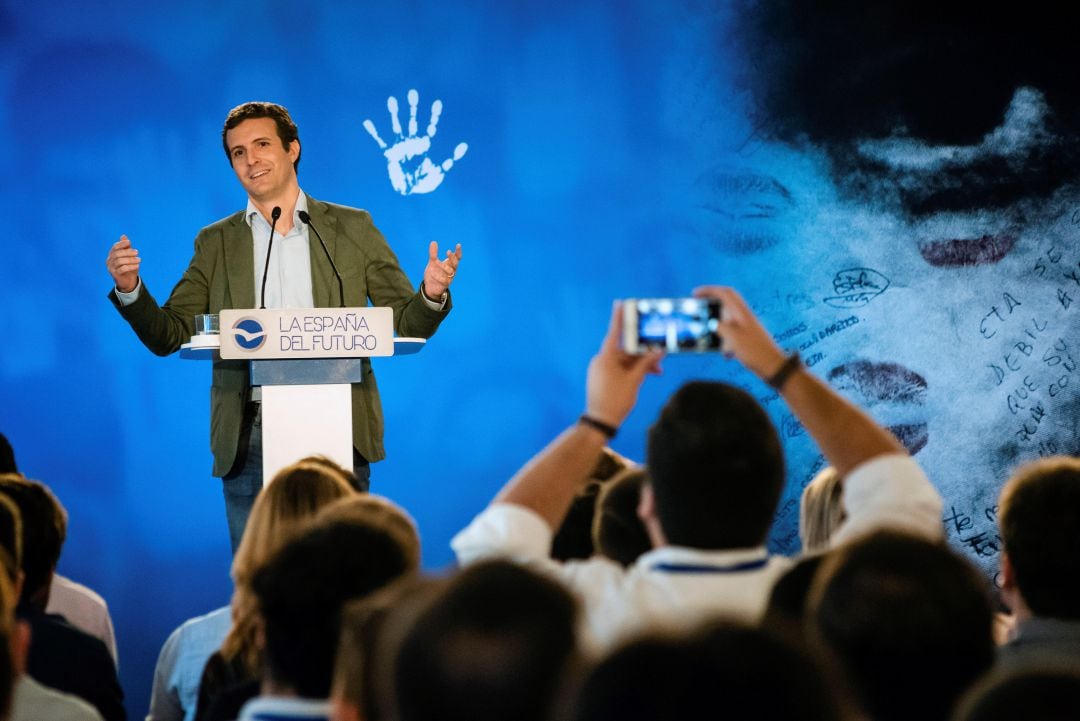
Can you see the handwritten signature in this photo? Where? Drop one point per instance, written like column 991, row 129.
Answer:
column 855, row 287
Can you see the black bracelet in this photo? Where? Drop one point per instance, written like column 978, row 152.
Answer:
column 791, row 364
column 607, row 430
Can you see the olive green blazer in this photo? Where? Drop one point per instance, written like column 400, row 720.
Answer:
column 221, row 275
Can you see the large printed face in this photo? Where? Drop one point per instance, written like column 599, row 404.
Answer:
column 930, row 285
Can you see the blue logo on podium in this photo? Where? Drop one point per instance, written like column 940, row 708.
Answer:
column 249, row 334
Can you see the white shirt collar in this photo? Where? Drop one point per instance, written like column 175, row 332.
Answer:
column 301, row 204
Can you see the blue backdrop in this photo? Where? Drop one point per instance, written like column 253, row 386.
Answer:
column 608, row 155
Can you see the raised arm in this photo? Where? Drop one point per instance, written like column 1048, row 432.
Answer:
column 846, row 435
column 547, row 483
column 123, row 265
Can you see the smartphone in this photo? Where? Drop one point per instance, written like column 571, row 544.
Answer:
column 673, row 325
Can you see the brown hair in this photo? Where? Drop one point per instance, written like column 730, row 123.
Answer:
column 374, row 511
column 1039, row 515
column 286, row 128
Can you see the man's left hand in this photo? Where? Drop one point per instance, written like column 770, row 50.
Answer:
column 439, row 274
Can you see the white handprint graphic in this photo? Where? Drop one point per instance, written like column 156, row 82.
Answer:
column 410, row 169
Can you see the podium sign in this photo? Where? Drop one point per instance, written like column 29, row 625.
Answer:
column 300, row 333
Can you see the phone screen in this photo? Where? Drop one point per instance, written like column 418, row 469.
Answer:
column 675, row 325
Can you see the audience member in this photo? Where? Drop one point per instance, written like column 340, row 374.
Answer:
column 821, row 510
column 7, row 456
column 1039, row 512
column 80, row 606
column 85, row 609
column 61, row 656
column 574, row 536
column 379, row 513
column 10, row 645
column 281, row 512
column 618, row 532
column 786, row 614
column 30, row 700
column 495, row 644
column 736, row 671
column 300, row 594
column 1031, row 695
column 716, row 469
column 371, row 631
column 907, row 621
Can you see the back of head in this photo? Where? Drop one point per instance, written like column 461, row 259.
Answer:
column 908, row 621
column 303, row 588
column 44, row 528
column 717, row 467
column 1033, row 695
column 1039, row 513
column 738, row 671
column 574, row 537
column 785, row 614
column 7, row 456
column 378, row 513
column 282, row 511
column 371, row 632
column 821, row 510
column 617, row 531
column 493, row 645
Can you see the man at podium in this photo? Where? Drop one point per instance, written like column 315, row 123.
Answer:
column 231, row 269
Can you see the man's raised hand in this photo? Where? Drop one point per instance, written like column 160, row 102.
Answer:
column 439, row 274
column 615, row 376
column 123, row 265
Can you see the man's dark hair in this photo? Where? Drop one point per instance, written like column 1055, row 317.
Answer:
column 301, row 592
column 716, row 466
column 574, row 536
column 1040, row 694
column 7, row 456
column 1039, row 512
column 741, row 672
column 836, row 71
column 908, row 621
column 785, row 614
column 493, row 645
column 617, row 531
column 286, row 128
column 44, row 528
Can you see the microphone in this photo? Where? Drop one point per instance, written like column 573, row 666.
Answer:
column 306, row 220
column 274, row 215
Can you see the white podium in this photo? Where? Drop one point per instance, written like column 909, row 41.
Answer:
column 305, row 361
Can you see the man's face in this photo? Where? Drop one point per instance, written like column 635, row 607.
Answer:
column 261, row 163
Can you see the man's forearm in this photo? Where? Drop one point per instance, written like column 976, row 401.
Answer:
column 548, row 483
column 846, row 435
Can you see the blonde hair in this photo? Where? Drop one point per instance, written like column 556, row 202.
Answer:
column 282, row 511
column 821, row 511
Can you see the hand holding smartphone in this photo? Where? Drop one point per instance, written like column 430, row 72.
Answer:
column 673, row 325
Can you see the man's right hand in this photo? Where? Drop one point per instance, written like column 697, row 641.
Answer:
column 615, row 376
column 123, row 265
